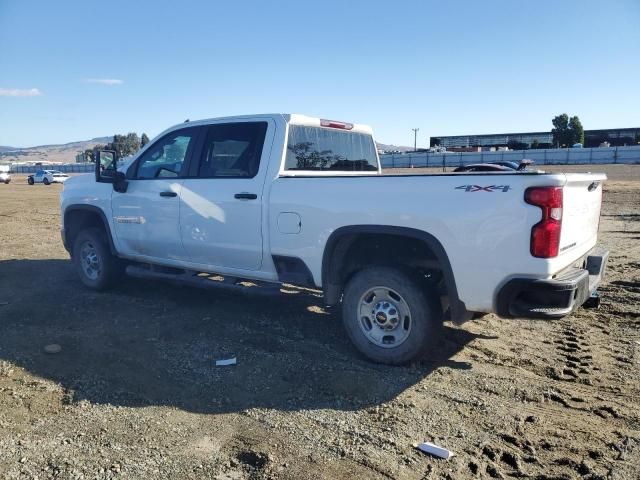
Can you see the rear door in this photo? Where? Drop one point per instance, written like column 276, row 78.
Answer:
column 146, row 216
column 221, row 203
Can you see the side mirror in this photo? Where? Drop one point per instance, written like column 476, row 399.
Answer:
column 106, row 166
column 107, row 170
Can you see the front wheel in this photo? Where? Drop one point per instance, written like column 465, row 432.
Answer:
column 46, row 181
column 389, row 316
column 96, row 267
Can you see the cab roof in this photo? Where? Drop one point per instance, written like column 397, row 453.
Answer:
column 291, row 118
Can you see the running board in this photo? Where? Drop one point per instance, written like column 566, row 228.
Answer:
column 204, row 280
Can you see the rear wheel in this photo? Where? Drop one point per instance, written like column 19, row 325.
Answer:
column 390, row 317
column 96, row 267
column 30, row 181
column 46, row 181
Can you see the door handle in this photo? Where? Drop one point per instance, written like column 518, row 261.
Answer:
column 246, row 196
column 168, row 194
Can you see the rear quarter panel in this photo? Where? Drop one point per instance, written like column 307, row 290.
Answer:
column 485, row 231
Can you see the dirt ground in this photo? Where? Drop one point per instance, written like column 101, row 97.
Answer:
column 134, row 392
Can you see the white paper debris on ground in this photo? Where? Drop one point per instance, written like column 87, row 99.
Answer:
column 435, row 450
column 228, row 361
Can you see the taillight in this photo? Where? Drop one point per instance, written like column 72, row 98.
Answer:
column 335, row 124
column 545, row 235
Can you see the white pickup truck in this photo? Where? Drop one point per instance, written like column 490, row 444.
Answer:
column 293, row 199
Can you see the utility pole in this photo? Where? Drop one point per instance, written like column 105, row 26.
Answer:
column 415, row 139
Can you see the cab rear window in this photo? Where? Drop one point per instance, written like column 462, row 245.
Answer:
column 314, row 148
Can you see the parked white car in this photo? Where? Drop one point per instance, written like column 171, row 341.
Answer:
column 5, row 177
column 293, row 199
column 47, row 177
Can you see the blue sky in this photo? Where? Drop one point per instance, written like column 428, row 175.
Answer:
column 447, row 67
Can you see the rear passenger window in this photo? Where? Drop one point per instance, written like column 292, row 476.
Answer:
column 232, row 150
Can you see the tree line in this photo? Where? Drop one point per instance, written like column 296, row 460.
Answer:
column 567, row 131
column 123, row 145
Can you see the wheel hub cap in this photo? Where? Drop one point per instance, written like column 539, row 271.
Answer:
column 90, row 261
column 385, row 317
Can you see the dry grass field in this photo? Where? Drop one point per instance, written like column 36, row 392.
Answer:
column 135, row 393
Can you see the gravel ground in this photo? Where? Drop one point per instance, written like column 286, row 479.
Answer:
column 134, row 392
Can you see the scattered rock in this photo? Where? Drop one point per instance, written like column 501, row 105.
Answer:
column 253, row 460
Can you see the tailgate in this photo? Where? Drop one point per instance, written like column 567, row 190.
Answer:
column 582, row 198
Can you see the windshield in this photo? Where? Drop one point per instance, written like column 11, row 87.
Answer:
column 315, row 148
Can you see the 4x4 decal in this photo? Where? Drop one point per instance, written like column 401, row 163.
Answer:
column 490, row 188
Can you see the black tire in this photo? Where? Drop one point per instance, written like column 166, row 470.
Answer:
column 109, row 269
column 46, row 181
column 30, row 181
column 425, row 317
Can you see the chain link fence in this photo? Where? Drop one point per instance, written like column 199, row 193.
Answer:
column 65, row 168
column 555, row 156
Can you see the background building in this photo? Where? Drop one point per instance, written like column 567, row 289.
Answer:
column 517, row 141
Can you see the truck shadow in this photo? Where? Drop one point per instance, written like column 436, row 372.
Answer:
column 149, row 343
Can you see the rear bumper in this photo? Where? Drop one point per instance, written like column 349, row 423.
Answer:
column 554, row 298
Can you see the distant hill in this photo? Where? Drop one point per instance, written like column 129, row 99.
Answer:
column 62, row 153
column 71, row 145
column 393, row 148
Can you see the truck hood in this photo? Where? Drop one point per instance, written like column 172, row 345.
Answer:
column 79, row 180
